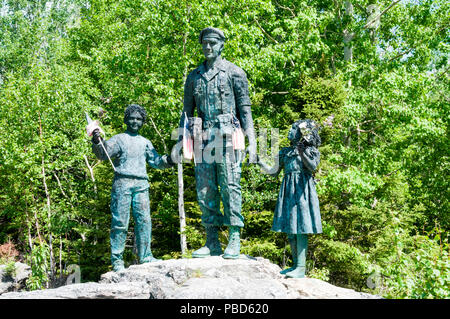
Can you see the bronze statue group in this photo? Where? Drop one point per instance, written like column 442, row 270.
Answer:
column 218, row 91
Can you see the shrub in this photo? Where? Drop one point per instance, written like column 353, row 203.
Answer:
column 419, row 271
column 8, row 253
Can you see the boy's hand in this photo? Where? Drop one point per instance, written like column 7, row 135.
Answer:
column 96, row 137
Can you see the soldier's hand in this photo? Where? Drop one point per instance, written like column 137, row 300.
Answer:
column 170, row 160
column 96, row 137
column 252, row 155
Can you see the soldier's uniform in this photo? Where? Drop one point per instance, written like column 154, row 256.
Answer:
column 219, row 93
column 222, row 90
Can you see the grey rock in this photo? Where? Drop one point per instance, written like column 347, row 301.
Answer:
column 17, row 282
column 197, row 278
column 311, row 288
column 88, row 290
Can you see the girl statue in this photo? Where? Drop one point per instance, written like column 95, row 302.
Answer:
column 297, row 210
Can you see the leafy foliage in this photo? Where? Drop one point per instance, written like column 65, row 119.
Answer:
column 382, row 181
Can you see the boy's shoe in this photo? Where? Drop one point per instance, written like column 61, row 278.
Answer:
column 118, row 266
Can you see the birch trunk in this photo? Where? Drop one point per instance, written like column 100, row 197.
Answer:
column 348, row 37
column 181, row 212
column 181, row 209
column 47, row 195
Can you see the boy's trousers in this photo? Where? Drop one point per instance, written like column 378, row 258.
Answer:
column 130, row 193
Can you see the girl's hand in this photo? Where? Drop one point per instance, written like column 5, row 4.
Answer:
column 301, row 147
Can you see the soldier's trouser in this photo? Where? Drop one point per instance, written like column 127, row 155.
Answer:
column 130, row 193
column 217, row 181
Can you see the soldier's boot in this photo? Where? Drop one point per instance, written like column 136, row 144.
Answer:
column 234, row 243
column 293, row 243
column 212, row 246
column 300, row 266
column 149, row 259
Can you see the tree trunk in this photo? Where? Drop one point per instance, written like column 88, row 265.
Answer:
column 348, row 36
column 181, row 209
column 183, row 242
column 49, row 221
column 47, row 195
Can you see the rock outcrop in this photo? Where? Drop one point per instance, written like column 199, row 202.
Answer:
column 211, row 278
column 15, row 281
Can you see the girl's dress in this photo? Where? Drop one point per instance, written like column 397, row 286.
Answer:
column 297, row 208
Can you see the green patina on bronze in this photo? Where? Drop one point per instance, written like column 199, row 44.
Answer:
column 130, row 152
column 218, row 91
column 297, row 211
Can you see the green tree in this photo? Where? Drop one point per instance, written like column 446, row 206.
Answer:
column 374, row 74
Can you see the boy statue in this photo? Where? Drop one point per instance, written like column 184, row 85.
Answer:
column 129, row 152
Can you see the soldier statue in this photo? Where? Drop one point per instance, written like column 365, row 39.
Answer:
column 218, row 90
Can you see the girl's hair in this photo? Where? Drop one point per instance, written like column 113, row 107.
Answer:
column 313, row 127
column 135, row 108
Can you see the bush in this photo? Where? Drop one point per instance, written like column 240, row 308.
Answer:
column 39, row 278
column 8, row 253
column 419, row 271
column 10, row 269
column 266, row 249
column 347, row 265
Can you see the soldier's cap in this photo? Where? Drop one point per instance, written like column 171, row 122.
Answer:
column 211, row 31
